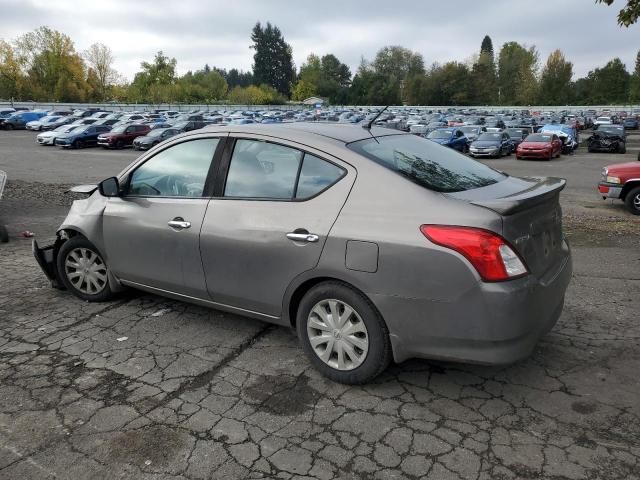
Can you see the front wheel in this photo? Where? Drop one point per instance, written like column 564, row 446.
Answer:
column 83, row 271
column 343, row 334
column 622, row 147
column 78, row 144
column 119, row 144
column 4, row 234
column 632, row 201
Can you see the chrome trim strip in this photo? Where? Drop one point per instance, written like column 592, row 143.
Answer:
column 221, row 306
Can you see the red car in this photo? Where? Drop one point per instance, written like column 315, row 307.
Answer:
column 540, row 145
column 122, row 136
column 622, row 180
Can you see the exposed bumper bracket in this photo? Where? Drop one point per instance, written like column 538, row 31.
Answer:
column 46, row 258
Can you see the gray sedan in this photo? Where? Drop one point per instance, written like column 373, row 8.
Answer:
column 375, row 245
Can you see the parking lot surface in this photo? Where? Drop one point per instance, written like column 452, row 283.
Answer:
column 148, row 388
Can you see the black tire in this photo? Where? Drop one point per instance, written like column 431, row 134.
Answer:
column 622, row 147
column 119, row 144
column 78, row 144
column 378, row 354
column 9, row 127
column 4, row 234
column 70, row 247
column 632, row 201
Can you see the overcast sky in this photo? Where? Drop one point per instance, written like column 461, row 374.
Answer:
column 217, row 32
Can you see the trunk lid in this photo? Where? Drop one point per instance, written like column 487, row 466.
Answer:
column 531, row 217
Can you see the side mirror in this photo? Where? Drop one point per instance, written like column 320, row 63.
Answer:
column 109, row 187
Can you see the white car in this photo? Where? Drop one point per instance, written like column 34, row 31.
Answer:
column 41, row 124
column 49, row 137
column 603, row 121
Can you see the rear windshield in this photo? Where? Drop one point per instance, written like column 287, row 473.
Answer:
column 490, row 136
column 537, row 137
column 440, row 134
column 427, row 163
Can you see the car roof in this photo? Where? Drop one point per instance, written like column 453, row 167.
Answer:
column 343, row 133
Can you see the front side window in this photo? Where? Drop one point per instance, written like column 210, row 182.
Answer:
column 262, row 170
column 178, row 171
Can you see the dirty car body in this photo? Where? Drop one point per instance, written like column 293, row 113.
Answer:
column 358, row 238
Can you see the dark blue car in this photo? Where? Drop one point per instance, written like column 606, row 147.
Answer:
column 80, row 137
column 450, row 137
column 492, row 144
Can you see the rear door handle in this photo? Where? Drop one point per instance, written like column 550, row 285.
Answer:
column 178, row 223
column 303, row 237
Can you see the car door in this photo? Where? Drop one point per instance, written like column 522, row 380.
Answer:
column 274, row 207
column 151, row 232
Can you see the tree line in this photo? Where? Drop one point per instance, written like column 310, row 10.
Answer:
column 44, row 65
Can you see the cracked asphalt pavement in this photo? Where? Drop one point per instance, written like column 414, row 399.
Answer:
column 149, row 388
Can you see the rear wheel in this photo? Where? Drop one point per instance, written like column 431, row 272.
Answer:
column 83, row 271
column 4, row 234
column 632, row 201
column 343, row 334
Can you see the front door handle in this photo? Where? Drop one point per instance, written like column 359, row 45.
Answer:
column 178, row 223
column 306, row 237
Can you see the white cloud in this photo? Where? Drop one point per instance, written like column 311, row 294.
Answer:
column 217, row 32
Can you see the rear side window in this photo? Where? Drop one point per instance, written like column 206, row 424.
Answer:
column 426, row 163
column 266, row 170
column 262, row 170
column 316, row 175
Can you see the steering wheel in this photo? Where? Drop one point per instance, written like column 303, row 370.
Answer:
column 172, row 186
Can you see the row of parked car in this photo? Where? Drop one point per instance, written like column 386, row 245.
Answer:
column 141, row 130
column 477, row 133
column 527, row 142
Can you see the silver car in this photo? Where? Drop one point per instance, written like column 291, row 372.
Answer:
column 374, row 244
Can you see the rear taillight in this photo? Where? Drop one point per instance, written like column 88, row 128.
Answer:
column 488, row 252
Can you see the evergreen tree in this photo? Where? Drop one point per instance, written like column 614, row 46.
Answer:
column 487, row 47
column 634, row 87
column 272, row 61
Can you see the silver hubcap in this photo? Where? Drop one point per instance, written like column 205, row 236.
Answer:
column 636, row 201
column 337, row 334
column 86, row 271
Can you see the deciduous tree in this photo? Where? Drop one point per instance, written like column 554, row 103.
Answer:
column 555, row 81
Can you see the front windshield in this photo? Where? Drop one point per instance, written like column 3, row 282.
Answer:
column 490, row 137
column 440, row 134
column 155, row 133
column 469, row 129
column 119, row 129
column 79, row 129
column 514, row 132
column 426, row 163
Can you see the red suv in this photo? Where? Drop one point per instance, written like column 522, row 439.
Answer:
column 122, row 136
column 622, row 180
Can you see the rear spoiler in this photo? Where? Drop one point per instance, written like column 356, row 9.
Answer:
column 539, row 193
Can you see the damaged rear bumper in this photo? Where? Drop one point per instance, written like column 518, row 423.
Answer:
column 46, row 258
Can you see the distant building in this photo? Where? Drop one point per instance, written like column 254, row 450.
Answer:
column 313, row 101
